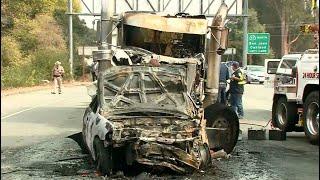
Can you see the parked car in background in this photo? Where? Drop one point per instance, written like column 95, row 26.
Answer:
column 254, row 73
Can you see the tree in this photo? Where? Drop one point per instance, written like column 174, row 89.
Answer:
column 291, row 13
column 33, row 37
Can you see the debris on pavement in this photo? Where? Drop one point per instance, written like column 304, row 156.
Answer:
column 221, row 154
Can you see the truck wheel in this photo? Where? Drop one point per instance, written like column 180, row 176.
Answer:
column 205, row 156
column 311, row 117
column 221, row 116
column 103, row 157
column 285, row 115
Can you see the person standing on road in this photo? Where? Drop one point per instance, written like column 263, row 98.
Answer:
column 57, row 75
column 223, row 77
column 236, row 89
column 94, row 70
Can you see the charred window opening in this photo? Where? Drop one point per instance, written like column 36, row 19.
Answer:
column 178, row 45
column 173, row 84
column 149, row 83
column 134, row 83
column 118, row 80
column 128, row 89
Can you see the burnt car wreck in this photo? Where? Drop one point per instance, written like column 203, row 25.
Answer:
column 148, row 104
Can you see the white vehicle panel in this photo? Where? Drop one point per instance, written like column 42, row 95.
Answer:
column 270, row 66
column 308, row 73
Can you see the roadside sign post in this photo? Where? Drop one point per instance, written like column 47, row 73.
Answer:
column 258, row 43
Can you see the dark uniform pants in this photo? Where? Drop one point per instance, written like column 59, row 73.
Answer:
column 236, row 104
column 222, row 93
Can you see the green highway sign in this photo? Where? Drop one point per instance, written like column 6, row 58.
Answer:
column 258, row 43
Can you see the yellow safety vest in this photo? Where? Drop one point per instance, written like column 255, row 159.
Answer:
column 242, row 78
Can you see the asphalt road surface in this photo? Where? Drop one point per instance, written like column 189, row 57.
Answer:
column 34, row 127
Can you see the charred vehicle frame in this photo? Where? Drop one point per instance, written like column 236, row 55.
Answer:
column 148, row 105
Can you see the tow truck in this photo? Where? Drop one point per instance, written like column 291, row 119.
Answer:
column 296, row 93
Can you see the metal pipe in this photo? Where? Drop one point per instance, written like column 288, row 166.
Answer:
column 137, row 5
column 159, row 6
column 214, row 59
column 104, row 53
column 153, row 9
column 70, row 39
column 93, row 6
column 208, row 8
column 107, row 11
column 245, row 33
column 131, row 8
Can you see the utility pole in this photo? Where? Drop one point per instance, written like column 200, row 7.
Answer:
column 245, row 33
column 70, row 38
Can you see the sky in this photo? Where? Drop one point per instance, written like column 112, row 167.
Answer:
column 172, row 8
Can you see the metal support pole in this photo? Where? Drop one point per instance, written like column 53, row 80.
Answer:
column 70, row 38
column 213, row 58
column 93, row 6
column 104, row 61
column 159, row 6
column 137, row 5
column 245, row 33
column 106, row 24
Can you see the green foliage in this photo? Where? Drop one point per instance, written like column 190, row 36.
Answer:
column 48, row 33
column 297, row 12
column 33, row 73
column 24, row 9
column 22, row 34
column 34, row 37
column 44, row 60
column 10, row 52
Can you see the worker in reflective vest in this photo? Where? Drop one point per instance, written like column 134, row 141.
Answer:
column 236, row 89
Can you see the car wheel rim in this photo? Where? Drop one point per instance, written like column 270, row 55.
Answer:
column 282, row 114
column 223, row 124
column 312, row 118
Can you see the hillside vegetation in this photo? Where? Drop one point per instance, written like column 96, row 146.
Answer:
column 34, row 36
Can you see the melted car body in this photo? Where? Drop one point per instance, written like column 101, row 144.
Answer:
column 148, row 107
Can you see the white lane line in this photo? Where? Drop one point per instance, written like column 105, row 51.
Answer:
column 28, row 109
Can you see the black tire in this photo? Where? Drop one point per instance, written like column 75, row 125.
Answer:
column 222, row 116
column 311, row 117
column 261, row 82
column 103, row 157
column 284, row 115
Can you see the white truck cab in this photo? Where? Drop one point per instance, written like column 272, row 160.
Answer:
column 270, row 69
column 296, row 94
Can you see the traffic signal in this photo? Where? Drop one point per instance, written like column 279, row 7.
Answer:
column 305, row 28
column 313, row 4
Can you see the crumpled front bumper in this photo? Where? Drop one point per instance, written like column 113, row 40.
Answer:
column 156, row 154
